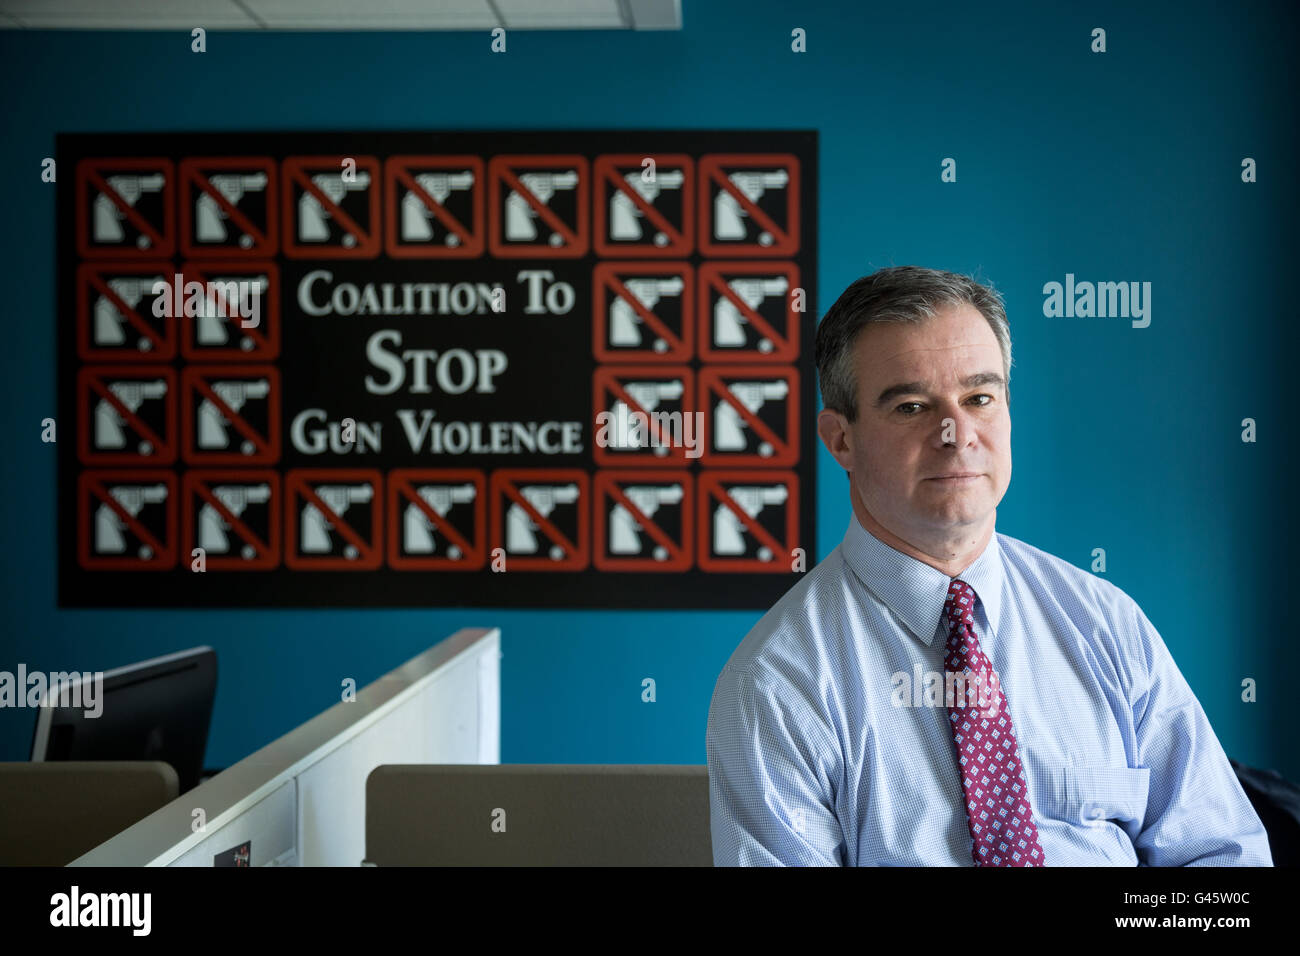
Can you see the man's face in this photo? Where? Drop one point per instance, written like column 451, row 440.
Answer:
column 922, row 415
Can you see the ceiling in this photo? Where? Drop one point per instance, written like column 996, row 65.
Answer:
column 340, row 14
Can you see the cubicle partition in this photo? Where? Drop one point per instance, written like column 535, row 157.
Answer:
column 539, row 815
column 300, row 800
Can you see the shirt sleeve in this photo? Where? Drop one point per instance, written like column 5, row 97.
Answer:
column 1197, row 813
column 771, row 800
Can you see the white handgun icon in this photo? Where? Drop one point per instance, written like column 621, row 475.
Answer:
column 728, row 321
column 729, row 426
column 109, row 320
column 109, row 527
column 624, row 323
column 213, row 423
column 417, row 218
column 628, row 432
column 210, row 219
column 520, row 527
column 313, row 224
column 625, row 530
column 418, row 531
column 520, row 212
column 316, row 528
column 624, row 214
column 221, row 303
column 213, row 527
column 729, row 216
column 109, row 424
column 107, row 226
column 729, row 531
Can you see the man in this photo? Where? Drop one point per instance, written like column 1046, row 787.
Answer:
column 840, row 732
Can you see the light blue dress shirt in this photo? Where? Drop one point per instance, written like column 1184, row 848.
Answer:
column 813, row 763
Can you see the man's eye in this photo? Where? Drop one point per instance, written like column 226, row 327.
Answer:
column 905, row 405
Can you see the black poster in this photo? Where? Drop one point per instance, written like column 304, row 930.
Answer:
column 507, row 369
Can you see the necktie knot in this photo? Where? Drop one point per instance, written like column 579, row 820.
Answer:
column 960, row 604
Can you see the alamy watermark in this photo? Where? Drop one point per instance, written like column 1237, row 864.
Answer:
column 230, row 298
column 951, row 689
column 128, row 910
column 625, row 428
column 55, row 689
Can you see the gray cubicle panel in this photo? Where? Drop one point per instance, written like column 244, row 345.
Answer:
column 300, row 800
column 538, row 815
column 52, row 812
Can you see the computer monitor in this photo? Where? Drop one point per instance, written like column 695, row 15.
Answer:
column 158, row 709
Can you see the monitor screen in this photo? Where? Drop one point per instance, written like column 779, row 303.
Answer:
column 157, row 709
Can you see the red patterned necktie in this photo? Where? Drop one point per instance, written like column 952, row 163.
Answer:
column 997, row 799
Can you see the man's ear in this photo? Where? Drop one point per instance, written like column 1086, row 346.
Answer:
column 834, row 431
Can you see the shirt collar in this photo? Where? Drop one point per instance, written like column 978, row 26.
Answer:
column 913, row 590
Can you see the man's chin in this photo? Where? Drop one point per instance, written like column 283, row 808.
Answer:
column 958, row 517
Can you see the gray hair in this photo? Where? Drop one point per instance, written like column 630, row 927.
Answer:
column 896, row 294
